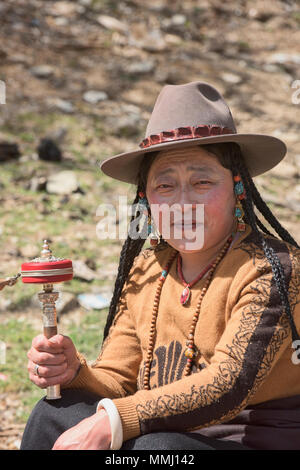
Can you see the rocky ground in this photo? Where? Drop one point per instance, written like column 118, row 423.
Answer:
column 86, row 75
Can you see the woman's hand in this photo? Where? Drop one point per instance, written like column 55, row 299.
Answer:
column 57, row 360
column 92, row 433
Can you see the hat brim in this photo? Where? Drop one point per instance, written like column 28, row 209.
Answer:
column 261, row 153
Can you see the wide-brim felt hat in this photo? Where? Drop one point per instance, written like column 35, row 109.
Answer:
column 191, row 114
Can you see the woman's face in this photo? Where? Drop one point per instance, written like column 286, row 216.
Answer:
column 191, row 198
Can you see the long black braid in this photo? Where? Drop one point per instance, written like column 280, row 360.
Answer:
column 230, row 156
column 265, row 210
column 272, row 257
column 131, row 247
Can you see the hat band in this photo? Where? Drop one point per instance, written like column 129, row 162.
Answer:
column 188, row 132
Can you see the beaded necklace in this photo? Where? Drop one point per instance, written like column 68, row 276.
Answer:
column 190, row 352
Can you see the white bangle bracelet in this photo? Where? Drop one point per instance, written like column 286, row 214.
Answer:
column 115, row 422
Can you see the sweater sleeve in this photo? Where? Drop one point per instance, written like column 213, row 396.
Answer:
column 114, row 373
column 256, row 335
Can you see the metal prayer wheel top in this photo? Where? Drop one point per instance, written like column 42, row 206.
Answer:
column 47, row 269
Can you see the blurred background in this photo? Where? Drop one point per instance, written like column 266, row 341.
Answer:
column 81, row 78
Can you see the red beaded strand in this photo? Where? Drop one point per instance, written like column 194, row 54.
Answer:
column 186, row 293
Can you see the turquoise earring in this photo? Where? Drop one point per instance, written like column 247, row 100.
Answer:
column 153, row 236
column 239, row 211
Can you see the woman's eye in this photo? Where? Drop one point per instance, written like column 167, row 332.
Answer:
column 163, row 186
column 202, row 182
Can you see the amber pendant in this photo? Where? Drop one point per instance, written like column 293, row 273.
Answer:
column 186, row 293
column 189, row 353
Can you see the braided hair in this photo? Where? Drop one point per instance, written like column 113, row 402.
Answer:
column 131, row 247
column 230, row 156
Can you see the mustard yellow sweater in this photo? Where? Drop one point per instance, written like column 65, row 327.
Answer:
column 243, row 338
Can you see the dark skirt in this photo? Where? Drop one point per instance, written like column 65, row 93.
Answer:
column 50, row 418
column 272, row 425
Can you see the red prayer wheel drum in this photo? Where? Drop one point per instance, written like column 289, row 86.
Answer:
column 47, row 272
column 46, row 269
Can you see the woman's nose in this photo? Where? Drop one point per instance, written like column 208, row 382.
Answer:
column 186, row 205
column 185, row 197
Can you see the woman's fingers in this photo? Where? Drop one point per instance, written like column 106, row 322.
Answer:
column 47, row 371
column 56, row 359
column 48, row 375
column 43, row 382
column 43, row 344
column 53, row 351
column 44, row 358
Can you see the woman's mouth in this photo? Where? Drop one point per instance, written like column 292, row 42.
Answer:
column 186, row 225
column 193, row 223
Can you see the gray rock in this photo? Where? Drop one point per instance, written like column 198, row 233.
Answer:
column 231, row 78
column 29, row 251
column 42, row 71
column 178, row 20
column 64, row 182
column 127, row 125
column 94, row 96
column 57, row 135
column 63, row 105
column 5, row 304
column 95, row 301
column 138, row 68
column 283, row 58
column 82, row 271
column 152, row 42
column 18, row 59
column 61, row 21
column 272, row 68
column 261, row 15
column 111, row 23
column 38, row 183
column 64, row 8
column 108, row 272
column 66, row 302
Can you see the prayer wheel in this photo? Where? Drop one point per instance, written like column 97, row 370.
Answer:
column 48, row 270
